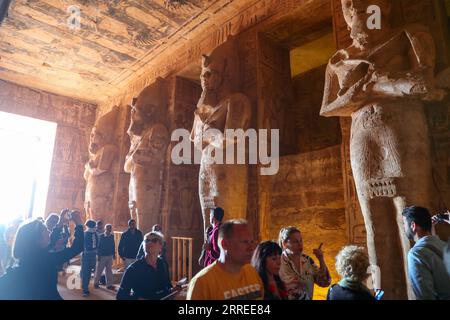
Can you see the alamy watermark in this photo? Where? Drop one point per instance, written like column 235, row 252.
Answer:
column 229, row 148
column 73, row 281
column 374, row 20
column 74, row 19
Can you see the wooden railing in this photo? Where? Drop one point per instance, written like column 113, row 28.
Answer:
column 181, row 258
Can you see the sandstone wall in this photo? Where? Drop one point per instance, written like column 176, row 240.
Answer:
column 308, row 193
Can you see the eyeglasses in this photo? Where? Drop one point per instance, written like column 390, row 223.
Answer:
column 152, row 240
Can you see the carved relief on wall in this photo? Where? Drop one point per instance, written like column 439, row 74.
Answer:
column 183, row 211
column 307, row 192
column 98, row 173
column 145, row 160
column 381, row 81
column 184, row 207
column 273, row 97
column 307, row 130
column 70, row 145
column 221, row 107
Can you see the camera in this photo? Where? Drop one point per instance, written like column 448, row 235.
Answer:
column 443, row 217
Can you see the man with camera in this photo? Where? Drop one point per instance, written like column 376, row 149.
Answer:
column 426, row 269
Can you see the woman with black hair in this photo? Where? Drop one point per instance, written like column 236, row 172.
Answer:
column 267, row 261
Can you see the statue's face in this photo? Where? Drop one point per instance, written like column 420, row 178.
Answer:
column 158, row 138
column 211, row 78
column 356, row 18
column 96, row 141
column 140, row 115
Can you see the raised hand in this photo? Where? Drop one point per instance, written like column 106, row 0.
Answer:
column 318, row 252
column 441, row 218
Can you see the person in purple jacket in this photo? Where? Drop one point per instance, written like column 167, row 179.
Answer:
column 211, row 246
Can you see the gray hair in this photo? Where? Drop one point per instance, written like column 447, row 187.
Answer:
column 352, row 262
column 155, row 234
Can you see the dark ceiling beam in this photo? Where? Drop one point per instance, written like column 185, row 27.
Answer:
column 4, row 6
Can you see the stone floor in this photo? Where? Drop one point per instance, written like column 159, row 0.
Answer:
column 69, row 286
column 96, row 294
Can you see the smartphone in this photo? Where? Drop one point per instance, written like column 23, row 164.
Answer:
column 379, row 294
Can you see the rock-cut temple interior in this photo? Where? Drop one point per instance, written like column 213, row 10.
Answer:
column 344, row 107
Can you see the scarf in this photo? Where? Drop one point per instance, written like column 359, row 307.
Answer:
column 353, row 285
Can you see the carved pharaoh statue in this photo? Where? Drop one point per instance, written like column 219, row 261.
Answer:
column 145, row 160
column 98, row 171
column 381, row 81
column 221, row 107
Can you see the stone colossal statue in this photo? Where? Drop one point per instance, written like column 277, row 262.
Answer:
column 382, row 82
column 98, row 171
column 221, row 107
column 145, row 160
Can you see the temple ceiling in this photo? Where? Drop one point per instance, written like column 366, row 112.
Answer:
column 42, row 47
column 94, row 50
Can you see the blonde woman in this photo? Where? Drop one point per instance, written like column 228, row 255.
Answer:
column 352, row 263
column 298, row 271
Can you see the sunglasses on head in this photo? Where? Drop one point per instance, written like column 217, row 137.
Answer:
column 152, row 240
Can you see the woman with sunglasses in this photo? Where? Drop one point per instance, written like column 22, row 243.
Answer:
column 148, row 278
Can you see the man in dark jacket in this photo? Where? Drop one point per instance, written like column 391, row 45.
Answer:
column 148, row 278
column 89, row 255
column 106, row 253
column 129, row 243
column 60, row 235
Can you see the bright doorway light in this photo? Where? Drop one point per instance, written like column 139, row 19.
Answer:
column 26, row 152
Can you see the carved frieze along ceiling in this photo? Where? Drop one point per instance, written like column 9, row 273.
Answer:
column 42, row 47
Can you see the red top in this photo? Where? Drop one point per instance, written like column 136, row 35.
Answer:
column 282, row 292
column 213, row 239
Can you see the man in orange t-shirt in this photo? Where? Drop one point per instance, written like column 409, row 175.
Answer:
column 231, row 277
